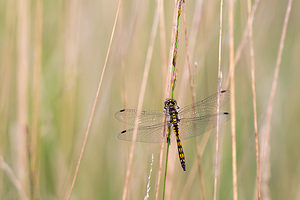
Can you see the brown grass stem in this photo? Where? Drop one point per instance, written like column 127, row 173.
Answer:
column 173, row 45
column 170, row 84
column 189, row 182
column 232, row 96
column 70, row 73
column 253, row 82
column 5, row 77
column 173, row 77
column 7, row 169
column 94, row 104
column 162, row 34
column 217, row 166
column 22, row 92
column 243, row 41
column 197, row 15
column 191, row 177
column 195, row 27
column 166, row 94
column 36, row 96
column 194, row 103
column 265, row 145
column 162, row 148
column 141, row 99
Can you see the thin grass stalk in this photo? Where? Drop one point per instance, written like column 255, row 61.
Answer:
column 232, row 96
column 70, row 80
column 217, row 166
column 149, row 179
column 141, row 99
column 29, row 157
column 243, row 41
column 167, row 87
column 123, row 69
column 167, row 156
column 164, row 71
column 22, row 92
column 252, row 62
column 68, row 104
column 162, row 35
column 195, row 28
column 265, row 146
column 189, row 182
column 178, row 8
column 194, row 111
column 246, row 31
column 7, row 169
column 192, row 176
column 5, row 76
column 192, row 42
column 36, row 97
column 159, row 170
column 68, row 196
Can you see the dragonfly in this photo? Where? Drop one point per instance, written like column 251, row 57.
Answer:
column 186, row 122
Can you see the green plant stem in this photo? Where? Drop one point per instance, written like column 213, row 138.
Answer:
column 167, row 155
column 172, row 91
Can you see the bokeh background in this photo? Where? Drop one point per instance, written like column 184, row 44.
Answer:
column 52, row 55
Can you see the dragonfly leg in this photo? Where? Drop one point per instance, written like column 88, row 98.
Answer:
column 168, row 140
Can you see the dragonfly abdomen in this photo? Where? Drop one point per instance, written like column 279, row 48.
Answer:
column 180, row 149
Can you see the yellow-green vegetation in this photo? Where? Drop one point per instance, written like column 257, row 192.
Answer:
column 52, row 56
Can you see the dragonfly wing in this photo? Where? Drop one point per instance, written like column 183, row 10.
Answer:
column 205, row 107
column 147, row 118
column 149, row 134
column 203, row 123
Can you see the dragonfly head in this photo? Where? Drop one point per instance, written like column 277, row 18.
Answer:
column 170, row 102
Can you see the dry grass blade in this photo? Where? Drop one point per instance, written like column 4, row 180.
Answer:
column 252, row 61
column 5, row 77
column 94, row 105
column 187, row 73
column 22, row 92
column 5, row 167
column 164, row 68
column 167, row 88
column 195, row 27
column 141, row 99
column 216, row 176
column 192, row 176
column 232, row 96
column 149, row 179
column 265, row 141
column 193, row 102
column 244, row 40
column 36, row 97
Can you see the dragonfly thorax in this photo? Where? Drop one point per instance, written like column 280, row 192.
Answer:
column 172, row 111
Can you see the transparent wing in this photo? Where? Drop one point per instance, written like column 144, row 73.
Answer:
column 147, row 118
column 205, row 107
column 202, row 124
column 150, row 134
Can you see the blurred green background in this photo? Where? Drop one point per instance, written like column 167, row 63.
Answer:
column 53, row 100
